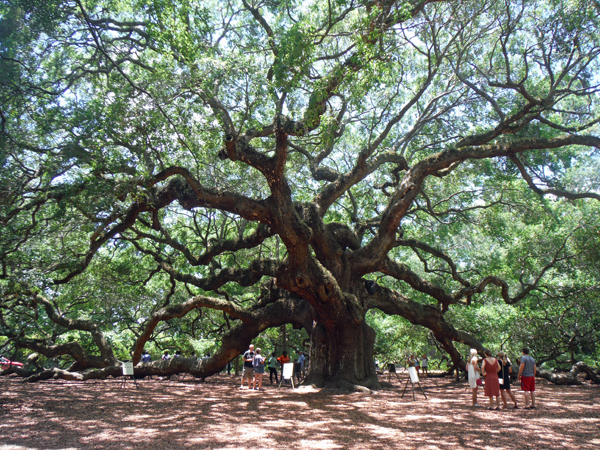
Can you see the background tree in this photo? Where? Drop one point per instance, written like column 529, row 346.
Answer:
column 284, row 162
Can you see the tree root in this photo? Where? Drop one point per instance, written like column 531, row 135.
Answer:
column 341, row 385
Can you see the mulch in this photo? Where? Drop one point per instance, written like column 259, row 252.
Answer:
column 216, row 414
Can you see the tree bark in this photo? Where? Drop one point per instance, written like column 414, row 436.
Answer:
column 570, row 378
column 341, row 356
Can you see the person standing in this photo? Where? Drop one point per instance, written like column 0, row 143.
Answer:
column 248, row 372
column 301, row 360
column 166, row 357
column 424, row 363
column 504, row 375
column 259, row 370
column 283, row 359
column 527, row 371
column 489, row 369
column 473, row 371
column 273, row 368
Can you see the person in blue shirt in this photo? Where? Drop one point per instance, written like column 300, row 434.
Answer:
column 527, row 371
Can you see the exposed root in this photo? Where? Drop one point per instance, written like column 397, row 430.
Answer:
column 341, row 385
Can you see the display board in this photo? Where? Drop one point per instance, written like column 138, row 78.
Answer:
column 414, row 376
column 288, row 371
column 128, row 368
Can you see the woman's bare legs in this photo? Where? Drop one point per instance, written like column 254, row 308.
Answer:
column 514, row 399
column 503, row 394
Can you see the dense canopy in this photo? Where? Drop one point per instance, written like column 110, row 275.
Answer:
column 186, row 170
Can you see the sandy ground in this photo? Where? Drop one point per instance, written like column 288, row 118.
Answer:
column 188, row 414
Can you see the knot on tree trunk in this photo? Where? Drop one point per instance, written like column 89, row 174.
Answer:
column 325, row 292
column 229, row 151
column 302, row 280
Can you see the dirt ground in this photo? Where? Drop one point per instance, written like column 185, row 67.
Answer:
column 188, row 414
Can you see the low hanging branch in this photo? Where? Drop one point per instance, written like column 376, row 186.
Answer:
column 571, row 377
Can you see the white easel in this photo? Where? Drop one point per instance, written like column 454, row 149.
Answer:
column 128, row 371
column 413, row 377
column 287, row 374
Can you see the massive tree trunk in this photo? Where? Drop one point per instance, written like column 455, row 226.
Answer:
column 341, row 356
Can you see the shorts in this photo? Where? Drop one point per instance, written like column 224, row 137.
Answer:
column 259, row 370
column 248, row 373
column 528, row 384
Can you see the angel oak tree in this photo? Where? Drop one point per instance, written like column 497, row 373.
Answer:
column 327, row 158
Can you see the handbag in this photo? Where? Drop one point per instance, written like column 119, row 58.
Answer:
column 478, row 382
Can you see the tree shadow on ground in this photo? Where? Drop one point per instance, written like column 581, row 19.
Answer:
column 186, row 414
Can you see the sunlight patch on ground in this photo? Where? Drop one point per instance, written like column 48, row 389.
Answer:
column 18, row 447
column 384, row 432
column 216, row 414
column 317, row 444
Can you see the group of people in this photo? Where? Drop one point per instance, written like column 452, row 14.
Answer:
column 412, row 361
column 418, row 363
column 497, row 372
column 254, row 367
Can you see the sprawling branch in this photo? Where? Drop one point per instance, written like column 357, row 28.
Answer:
column 403, row 273
column 216, row 248
column 414, row 244
column 83, row 360
column 391, row 302
column 571, row 377
column 243, row 276
column 252, row 321
column 188, row 192
column 556, row 192
column 526, row 289
column 413, row 179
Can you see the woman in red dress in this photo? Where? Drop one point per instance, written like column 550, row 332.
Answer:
column 489, row 369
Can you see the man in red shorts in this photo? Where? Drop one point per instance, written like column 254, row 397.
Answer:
column 527, row 378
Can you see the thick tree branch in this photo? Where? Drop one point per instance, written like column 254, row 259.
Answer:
column 413, row 179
